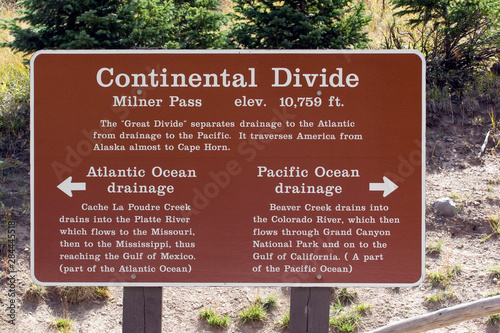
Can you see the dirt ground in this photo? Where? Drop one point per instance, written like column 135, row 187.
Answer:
column 454, row 170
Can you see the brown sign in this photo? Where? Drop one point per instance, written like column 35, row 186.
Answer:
column 224, row 168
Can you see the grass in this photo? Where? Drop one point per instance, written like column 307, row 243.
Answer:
column 494, row 275
column 7, row 165
column 443, row 276
column 5, row 219
column 495, row 129
column 491, row 192
column 494, row 320
column 494, row 222
column 435, row 248
column 347, row 315
column 74, row 295
column 70, row 295
column 268, row 303
column 35, row 292
column 438, row 278
column 440, row 297
column 63, row 324
column 254, row 312
column 363, row 309
column 284, row 321
column 345, row 297
column 259, row 309
column 213, row 319
column 345, row 321
column 494, row 272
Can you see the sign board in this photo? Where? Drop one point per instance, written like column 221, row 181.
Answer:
column 228, row 168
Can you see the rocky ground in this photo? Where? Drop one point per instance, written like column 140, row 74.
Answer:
column 459, row 251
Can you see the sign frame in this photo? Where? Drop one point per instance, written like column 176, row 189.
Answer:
column 75, row 186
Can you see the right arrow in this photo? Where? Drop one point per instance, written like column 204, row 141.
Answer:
column 387, row 186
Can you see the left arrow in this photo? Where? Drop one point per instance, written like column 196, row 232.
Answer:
column 67, row 186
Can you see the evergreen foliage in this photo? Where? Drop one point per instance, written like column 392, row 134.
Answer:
column 190, row 24
column 117, row 24
column 72, row 24
column 200, row 24
column 300, row 24
column 154, row 26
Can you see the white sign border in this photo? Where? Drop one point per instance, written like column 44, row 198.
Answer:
column 232, row 284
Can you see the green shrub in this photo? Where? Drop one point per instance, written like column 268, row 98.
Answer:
column 457, row 37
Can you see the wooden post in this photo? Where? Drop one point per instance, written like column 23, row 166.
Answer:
column 309, row 310
column 444, row 317
column 142, row 308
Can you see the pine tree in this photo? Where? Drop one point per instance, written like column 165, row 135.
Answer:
column 155, row 25
column 300, row 24
column 72, row 24
column 117, row 24
column 200, row 24
column 184, row 24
